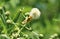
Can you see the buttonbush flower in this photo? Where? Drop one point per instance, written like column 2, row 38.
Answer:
column 35, row 13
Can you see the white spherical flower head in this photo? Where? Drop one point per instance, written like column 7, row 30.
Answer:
column 35, row 13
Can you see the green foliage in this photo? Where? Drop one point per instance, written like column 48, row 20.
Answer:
column 46, row 27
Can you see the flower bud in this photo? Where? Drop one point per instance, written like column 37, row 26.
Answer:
column 9, row 21
column 7, row 13
column 25, row 35
column 41, row 35
column 20, row 10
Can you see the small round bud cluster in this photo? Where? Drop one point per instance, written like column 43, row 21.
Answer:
column 9, row 21
column 53, row 36
column 14, row 34
column 25, row 35
column 7, row 13
column 41, row 35
column 16, row 30
column 20, row 10
column 18, row 38
column 27, row 14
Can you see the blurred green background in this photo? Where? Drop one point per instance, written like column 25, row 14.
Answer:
column 47, row 24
